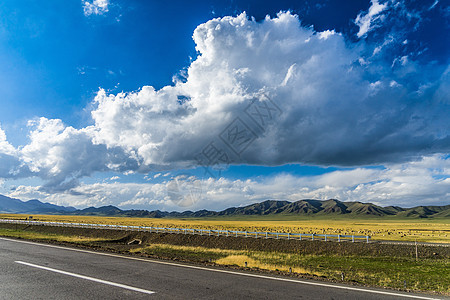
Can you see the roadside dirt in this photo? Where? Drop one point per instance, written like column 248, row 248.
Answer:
column 117, row 241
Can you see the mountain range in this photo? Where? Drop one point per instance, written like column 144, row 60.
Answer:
column 11, row 205
column 307, row 207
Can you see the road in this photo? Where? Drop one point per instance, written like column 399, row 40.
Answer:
column 40, row 271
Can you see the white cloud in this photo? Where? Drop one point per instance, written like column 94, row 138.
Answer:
column 96, row 7
column 422, row 182
column 326, row 34
column 11, row 165
column 5, row 147
column 369, row 21
column 60, row 155
column 433, row 5
column 331, row 113
column 325, row 100
column 387, row 41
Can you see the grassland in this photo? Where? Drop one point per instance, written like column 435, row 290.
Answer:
column 385, row 228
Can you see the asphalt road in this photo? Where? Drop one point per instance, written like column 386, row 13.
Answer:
column 40, row 271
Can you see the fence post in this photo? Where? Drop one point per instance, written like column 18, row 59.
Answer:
column 339, row 237
column 289, row 235
column 367, row 239
column 245, row 233
column 417, row 252
column 353, row 238
column 312, row 236
column 267, row 235
column 325, row 237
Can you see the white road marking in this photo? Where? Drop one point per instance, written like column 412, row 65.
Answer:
column 229, row 272
column 87, row 278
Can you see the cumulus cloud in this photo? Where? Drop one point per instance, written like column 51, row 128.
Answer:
column 421, row 182
column 11, row 165
column 5, row 147
column 331, row 112
column 370, row 20
column 61, row 155
column 325, row 108
column 95, row 7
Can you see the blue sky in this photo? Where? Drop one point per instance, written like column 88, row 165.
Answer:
column 63, row 56
column 120, row 102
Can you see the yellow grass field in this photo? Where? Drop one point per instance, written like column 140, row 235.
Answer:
column 422, row 230
column 254, row 259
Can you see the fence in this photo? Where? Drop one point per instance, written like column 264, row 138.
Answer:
column 209, row 232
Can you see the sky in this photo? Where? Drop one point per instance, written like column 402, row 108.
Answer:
column 212, row 104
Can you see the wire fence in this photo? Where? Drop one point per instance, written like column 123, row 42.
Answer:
column 206, row 232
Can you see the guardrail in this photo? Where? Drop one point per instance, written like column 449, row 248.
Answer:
column 209, row 232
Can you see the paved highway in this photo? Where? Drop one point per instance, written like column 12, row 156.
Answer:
column 39, row 271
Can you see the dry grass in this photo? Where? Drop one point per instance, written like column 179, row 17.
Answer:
column 240, row 260
column 422, row 230
column 254, row 259
column 184, row 248
column 30, row 235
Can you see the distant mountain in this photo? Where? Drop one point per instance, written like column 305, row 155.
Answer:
column 263, row 208
column 272, row 207
column 307, row 207
column 304, row 207
column 425, row 211
column 359, row 208
column 11, row 205
column 333, row 207
column 103, row 210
